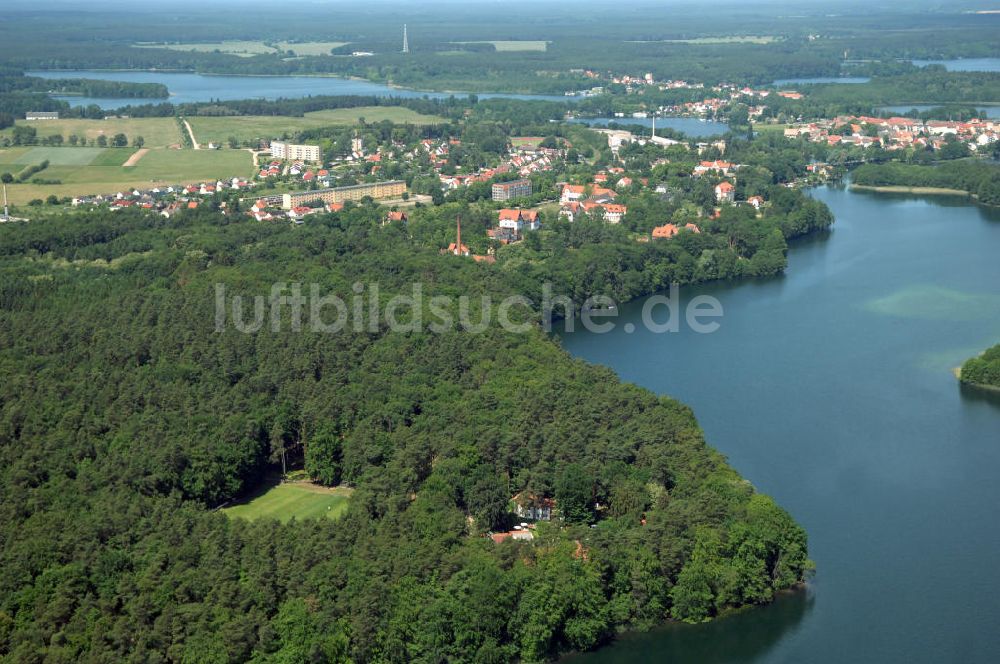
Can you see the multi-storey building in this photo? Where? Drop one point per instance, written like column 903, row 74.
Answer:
column 505, row 191
column 388, row 189
column 283, row 150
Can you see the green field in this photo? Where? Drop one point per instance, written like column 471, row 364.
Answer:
column 301, row 500
column 156, row 132
column 247, row 49
column 100, row 170
column 249, row 127
column 512, row 45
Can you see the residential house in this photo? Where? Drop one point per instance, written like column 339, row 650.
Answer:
column 725, row 192
column 528, row 505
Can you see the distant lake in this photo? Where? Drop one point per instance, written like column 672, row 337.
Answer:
column 991, row 111
column 964, row 64
column 692, row 127
column 821, row 79
column 190, row 88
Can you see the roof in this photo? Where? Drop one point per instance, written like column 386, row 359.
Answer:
column 665, row 231
column 724, row 186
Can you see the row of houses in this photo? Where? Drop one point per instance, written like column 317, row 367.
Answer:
column 896, row 133
column 168, row 199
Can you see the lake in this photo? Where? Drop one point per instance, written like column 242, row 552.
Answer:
column 964, row 64
column 821, row 79
column 190, row 88
column 694, row 127
column 991, row 111
column 831, row 389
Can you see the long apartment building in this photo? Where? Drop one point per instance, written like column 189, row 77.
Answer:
column 506, row 191
column 283, row 150
column 388, row 189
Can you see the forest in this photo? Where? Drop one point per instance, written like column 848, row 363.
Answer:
column 125, row 418
column 983, row 370
column 979, row 178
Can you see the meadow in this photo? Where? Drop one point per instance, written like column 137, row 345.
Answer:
column 156, row 132
column 85, row 171
column 249, row 127
column 299, row 500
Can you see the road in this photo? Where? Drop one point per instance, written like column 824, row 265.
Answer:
column 194, row 143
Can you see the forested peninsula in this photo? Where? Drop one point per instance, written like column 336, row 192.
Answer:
column 125, row 418
column 984, row 370
column 977, row 178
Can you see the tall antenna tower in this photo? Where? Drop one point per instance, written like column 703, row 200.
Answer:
column 406, row 43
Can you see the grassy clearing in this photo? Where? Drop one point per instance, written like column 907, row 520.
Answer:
column 156, row 132
column 299, row 500
column 249, row 127
column 761, row 127
column 526, row 141
column 101, row 171
column 510, row 45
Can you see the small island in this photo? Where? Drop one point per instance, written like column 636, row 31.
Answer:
column 982, row 371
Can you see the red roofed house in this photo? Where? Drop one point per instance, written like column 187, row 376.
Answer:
column 725, row 192
column 718, row 165
column 665, row 231
column 517, row 220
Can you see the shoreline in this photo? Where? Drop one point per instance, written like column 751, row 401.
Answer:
column 920, row 191
column 902, row 189
column 957, row 371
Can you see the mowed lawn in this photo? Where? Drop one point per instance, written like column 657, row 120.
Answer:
column 250, row 127
column 301, row 500
column 101, row 171
column 155, row 132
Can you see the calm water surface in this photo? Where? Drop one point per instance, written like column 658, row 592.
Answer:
column 964, row 64
column 821, row 79
column 693, row 127
column 830, row 389
column 190, row 88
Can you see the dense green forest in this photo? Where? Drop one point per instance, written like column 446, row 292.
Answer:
column 984, row 369
column 980, row 179
column 125, row 417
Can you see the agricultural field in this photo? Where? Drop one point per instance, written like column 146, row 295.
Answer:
column 156, row 132
column 301, row 500
column 511, row 46
column 103, row 171
column 249, row 127
column 248, row 49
